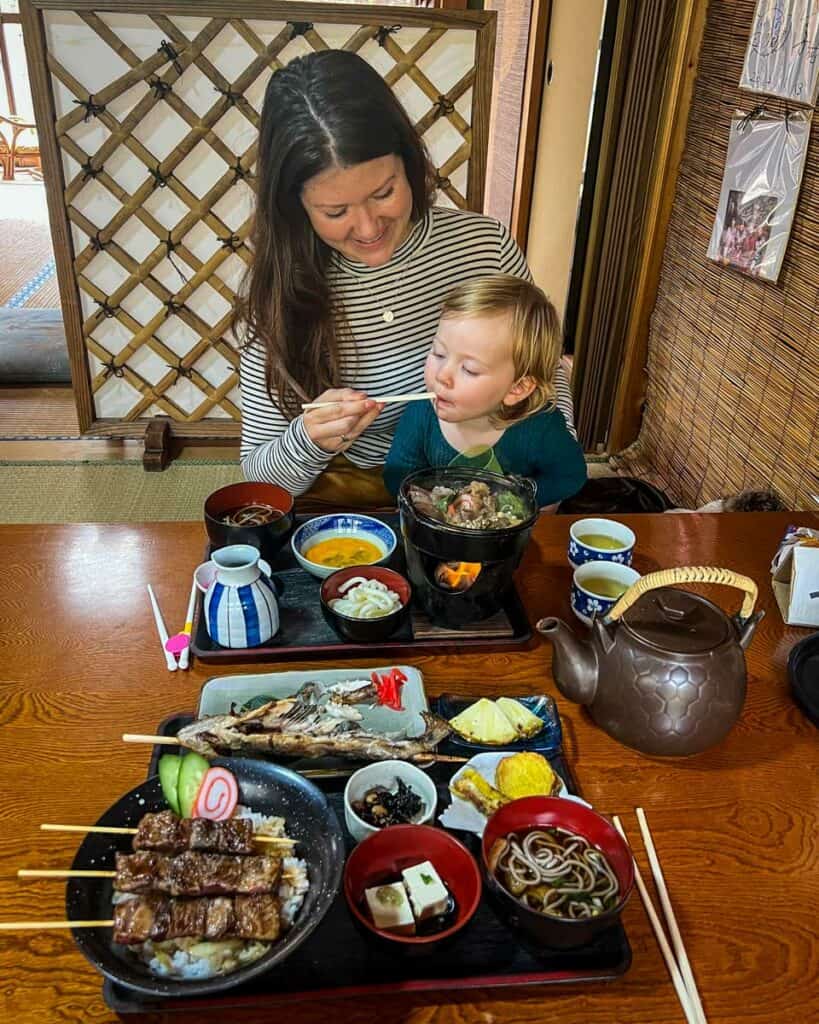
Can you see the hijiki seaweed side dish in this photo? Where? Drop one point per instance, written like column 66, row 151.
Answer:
column 474, row 506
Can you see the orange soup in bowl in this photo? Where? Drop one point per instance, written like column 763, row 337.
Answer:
column 341, row 552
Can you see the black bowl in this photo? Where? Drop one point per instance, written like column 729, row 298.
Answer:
column 268, row 538
column 363, row 631
column 803, row 672
column 264, row 787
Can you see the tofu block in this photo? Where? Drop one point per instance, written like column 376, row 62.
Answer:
column 390, row 909
column 428, row 894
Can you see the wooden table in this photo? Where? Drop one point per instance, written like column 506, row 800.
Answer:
column 736, row 828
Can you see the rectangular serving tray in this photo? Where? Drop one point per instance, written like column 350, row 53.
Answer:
column 304, row 632
column 337, row 961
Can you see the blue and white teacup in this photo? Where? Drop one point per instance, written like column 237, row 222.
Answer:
column 588, row 602
column 620, row 551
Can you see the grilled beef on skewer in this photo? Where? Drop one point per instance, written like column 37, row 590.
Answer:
column 166, row 833
column 196, row 874
column 161, row 917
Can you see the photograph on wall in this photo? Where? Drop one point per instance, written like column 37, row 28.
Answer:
column 760, row 187
column 782, row 58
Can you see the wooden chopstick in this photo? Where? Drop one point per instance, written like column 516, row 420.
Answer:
column 111, row 830
column 14, row 926
column 668, row 910
column 676, row 977
column 384, row 400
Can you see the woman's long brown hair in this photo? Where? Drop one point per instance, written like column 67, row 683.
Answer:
column 328, row 109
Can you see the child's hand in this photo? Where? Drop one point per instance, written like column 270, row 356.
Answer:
column 335, row 427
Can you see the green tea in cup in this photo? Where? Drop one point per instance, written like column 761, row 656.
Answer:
column 600, row 540
column 603, row 586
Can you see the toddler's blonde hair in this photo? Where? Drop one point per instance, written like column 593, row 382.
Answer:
column 536, row 337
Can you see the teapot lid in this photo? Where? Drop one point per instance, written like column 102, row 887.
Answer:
column 677, row 620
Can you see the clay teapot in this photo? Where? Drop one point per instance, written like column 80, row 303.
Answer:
column 664, row 671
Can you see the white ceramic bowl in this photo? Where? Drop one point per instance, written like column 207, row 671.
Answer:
column 340, row 525
column 384, row 773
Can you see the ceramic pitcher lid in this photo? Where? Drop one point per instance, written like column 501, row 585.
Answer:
column 678, row 621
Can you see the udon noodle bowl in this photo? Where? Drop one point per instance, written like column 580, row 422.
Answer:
column 555, row 872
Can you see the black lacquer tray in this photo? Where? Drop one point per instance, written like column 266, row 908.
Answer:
column 338, row 961
column 304, row 632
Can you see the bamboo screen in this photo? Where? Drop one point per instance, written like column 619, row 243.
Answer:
column 733, row 371
column 149, row 121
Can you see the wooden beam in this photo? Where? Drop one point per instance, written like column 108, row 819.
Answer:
column 686, row 41
column 530, row 119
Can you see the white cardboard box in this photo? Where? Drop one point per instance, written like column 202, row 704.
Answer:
column 795, row 584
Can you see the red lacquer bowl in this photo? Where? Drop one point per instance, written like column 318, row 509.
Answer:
column 553, row 812
column 364, row 631
column 382, row 857
column 268, row 538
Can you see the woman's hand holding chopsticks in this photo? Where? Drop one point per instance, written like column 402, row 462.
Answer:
column 338, row 417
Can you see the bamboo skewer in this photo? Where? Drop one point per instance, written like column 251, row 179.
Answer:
column 668, row 910
column 111, row 830
column 673, row 970
column 14, row 926
column 172, row 741
column 74, row 873
column 385, row 400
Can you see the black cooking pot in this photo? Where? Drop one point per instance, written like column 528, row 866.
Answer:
column 460, row 543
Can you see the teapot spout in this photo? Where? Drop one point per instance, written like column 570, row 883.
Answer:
column 574, row 663
column 747, row 628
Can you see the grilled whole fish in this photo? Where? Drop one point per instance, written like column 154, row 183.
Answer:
column 267, row 730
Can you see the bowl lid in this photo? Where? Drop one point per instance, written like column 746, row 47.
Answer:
column 677, row 621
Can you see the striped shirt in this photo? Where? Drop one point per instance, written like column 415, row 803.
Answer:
column 443, row 249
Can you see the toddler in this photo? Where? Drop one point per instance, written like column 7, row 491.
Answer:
column 491, row 368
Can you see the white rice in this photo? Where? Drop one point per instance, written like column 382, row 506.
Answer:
column 196, row 959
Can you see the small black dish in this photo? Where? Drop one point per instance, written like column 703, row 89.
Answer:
column 363, row 631
column 269, row 537
column 803, row 672
column 264, row 787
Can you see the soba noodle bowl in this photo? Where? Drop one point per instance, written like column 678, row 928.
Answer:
column 555, row 872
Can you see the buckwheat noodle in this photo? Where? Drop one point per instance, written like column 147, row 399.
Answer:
column 557, row 872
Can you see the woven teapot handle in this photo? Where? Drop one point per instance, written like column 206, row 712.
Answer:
column 687, row 574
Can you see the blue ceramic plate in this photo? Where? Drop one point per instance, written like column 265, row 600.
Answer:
column 548, row 740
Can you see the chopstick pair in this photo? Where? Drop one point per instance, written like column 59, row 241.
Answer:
column 179, row 643
column 384, row 400
column 677, row 962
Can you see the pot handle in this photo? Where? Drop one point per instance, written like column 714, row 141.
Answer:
column 687, row 574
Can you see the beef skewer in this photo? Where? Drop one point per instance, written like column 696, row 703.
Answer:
column 166, row 833
column 189, row 874
column 160, row 917
column 139, row 918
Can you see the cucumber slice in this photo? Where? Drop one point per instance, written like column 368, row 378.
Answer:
column 169, row 765
column 193, row 769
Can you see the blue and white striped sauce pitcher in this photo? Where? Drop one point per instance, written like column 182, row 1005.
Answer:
column 240, row 605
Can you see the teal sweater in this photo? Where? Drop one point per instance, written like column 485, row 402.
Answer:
column 539, row 447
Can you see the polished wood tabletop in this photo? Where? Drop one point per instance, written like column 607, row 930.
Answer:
column 735, row 827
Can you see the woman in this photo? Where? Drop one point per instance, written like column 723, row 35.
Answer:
column 351, row 265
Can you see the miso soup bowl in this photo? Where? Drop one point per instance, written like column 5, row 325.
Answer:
column 535, row 812
column 268, row 538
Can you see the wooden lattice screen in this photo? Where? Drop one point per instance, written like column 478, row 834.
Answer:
column 148, row 124
column 733, row 373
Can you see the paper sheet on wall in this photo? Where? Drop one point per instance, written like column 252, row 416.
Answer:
column 781, row 59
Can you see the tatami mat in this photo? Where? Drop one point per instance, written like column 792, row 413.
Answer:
column 99, row 492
